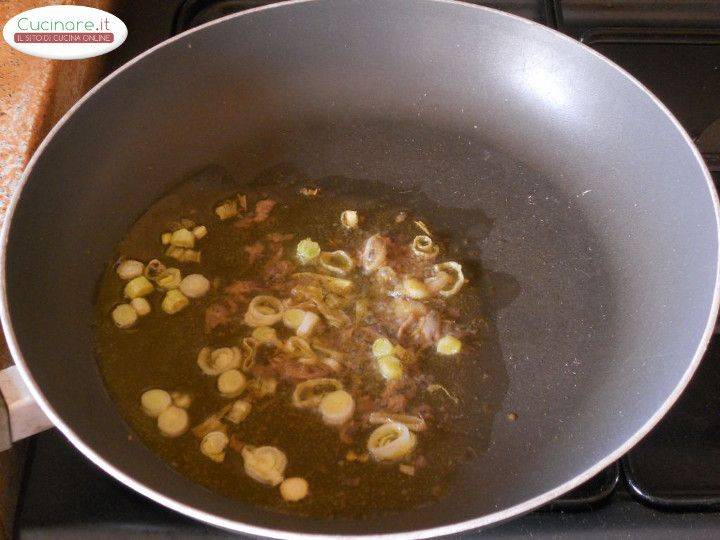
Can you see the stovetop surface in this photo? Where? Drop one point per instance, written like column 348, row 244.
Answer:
column 668, row 486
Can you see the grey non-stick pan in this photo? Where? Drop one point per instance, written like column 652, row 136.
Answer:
column 579, row 192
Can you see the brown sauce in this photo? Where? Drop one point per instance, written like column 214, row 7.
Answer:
column 161, row 350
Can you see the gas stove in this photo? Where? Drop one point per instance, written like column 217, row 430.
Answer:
column 667, row 486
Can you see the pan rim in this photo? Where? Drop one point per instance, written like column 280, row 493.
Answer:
column 237, row 526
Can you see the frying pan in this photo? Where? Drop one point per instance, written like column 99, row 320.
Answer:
column 573, row 179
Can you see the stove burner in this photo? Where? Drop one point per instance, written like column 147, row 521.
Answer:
column 677, row 466
column 709, row 144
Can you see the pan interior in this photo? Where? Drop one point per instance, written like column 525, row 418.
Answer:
column 592, row 213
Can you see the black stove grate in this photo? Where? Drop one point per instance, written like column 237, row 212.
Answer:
column 677, row 466
column 193, row 13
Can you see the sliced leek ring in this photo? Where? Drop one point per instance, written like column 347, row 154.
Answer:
column 456, row 276
column 155, row 401
column 448, row 345
column 139, row 286
column 182, row 238
column 385, row 275
column 263, row 310
column 308, row 325
column 194, row 286
column 438, row 281
column 308, row 394
column 200, row 232
column 294, row 489
column 124, row 316
column 293, row 318
column 130, row 269
column 424, row 228
column 307, row 292
column 390, row 367
column 169, row 279
column 298, row 347
column 218, row 361
column 213, row 445
column 181, row 399
column 337, row 262
column 335, row 285
column 239, row 411
column 249, row 348
column 227, row 209
column 415, row 289
column 349, row 219
column 336, row 318
column 261, row 387
column 153, row 269
column 391, row 441
column 231, row 383
column 307, row 251
column 374, row 253
column 336, row 407
column 424, row 247
column 326, row 351
column 266, row 335
column 141, row 306
column 212, row 423
column 414, row 423
column 382, row 347
column 174, row 302
column 173, row 421
column 265, row 464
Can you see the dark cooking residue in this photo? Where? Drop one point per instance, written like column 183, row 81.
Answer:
column 304, row 321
